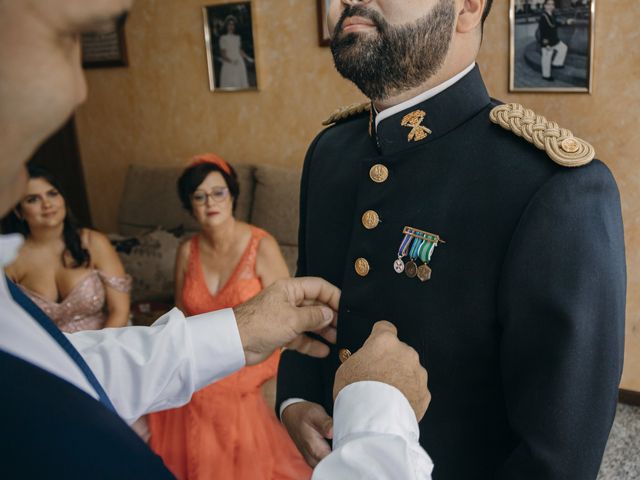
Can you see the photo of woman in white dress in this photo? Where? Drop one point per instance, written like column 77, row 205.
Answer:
column 233, row 73
column 229, row 34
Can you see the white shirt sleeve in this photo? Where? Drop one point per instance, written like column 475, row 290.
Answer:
column 289, row 402
column 146, row 369
column 375, row 436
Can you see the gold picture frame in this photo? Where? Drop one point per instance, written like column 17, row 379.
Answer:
column 569, row 63
column 230, row 49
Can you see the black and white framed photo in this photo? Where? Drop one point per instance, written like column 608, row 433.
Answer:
column 552, row 45
column 228, row 35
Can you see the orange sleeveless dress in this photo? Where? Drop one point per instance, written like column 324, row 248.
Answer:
column 227, row 431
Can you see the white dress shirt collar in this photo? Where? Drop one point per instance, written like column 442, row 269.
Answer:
column 432, row 92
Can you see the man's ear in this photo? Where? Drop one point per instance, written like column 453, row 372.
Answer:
column 470, row 15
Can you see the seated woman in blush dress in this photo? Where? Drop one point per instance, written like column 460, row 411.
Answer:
column 73, row 274
column 227, row 431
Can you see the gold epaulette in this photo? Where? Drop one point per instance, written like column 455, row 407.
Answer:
column 559, row 143
column 349, row 111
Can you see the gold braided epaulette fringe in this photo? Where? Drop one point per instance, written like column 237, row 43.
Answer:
column 348, row 111
column 559, row 143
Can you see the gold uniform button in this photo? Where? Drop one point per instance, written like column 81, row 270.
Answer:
column 379, row 173
column 362, row 267
column 370, row 219
column 344, row 354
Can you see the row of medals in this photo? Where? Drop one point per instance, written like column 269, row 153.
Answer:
column 412, row 270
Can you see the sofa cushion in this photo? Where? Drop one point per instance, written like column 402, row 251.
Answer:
column 276, row 207
column 150, row 199
column 149, row 259
column 276, row 202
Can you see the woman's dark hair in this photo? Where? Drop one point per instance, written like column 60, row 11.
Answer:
column 72, row 241
column 194, row 175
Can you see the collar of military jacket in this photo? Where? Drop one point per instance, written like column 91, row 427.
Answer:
column 433, row 118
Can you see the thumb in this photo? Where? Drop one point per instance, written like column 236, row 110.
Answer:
column 383, row 326
column 312, row 318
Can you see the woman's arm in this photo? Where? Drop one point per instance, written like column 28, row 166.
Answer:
column 182, row 260
column 270, row 264
column 105, row 259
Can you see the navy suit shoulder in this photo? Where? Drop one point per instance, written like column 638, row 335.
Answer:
column 51, row 429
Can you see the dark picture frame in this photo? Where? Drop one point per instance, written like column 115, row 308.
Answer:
column 551, row 52
column 324, row 39
column 229, row 41
column 105, row 49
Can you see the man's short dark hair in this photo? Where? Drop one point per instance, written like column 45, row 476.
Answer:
column 487, row 8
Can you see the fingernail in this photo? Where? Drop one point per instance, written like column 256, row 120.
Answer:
column 327, row 313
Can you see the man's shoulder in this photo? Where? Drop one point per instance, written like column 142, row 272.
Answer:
column 43, row 414
column 343, row 126
column 538, row 134
column 348, row 112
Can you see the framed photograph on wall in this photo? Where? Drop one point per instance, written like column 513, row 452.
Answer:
column 228, row 36
column 551, row 45
column 324, row 40
column 105, row 49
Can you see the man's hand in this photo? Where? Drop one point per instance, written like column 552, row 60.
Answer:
column 280, row 314
column 384, row 358
column 309, row 426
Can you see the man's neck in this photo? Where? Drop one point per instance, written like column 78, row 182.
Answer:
column 422, row 96
column 440, row 77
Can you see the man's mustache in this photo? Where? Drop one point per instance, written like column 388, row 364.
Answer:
column 360, row 11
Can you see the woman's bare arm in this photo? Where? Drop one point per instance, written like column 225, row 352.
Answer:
column 105, row 259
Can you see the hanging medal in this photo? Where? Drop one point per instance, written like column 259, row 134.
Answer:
column 398, row 265
column 424, row 253
column 411, row 269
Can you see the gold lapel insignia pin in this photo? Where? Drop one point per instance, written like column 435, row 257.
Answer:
column 414, row 121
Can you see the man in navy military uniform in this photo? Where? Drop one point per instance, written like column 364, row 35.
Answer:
column 485, row 233
column 554, row 51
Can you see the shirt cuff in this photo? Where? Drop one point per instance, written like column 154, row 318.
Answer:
column 387, row 411
column 289, row 401
column 217, row 349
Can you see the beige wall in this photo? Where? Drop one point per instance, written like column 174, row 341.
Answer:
column 159, row 110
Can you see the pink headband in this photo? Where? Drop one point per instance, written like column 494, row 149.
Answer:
column 213, row 159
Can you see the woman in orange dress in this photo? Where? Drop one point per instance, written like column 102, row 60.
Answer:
column 227, row 431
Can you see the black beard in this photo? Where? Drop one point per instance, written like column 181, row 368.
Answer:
column 394, row 59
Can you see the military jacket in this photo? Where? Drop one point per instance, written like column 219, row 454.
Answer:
column 548, row 26
column 521, row 324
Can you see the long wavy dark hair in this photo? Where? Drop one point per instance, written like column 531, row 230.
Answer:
column 12, row 223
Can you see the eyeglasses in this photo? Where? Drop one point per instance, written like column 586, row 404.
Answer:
column 218, row 195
